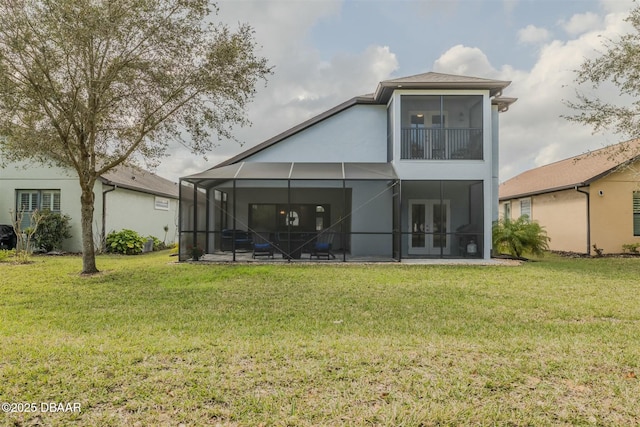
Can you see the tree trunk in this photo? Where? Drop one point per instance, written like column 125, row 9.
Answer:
column 88, row 250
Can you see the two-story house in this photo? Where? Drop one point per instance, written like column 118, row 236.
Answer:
column 410, row 171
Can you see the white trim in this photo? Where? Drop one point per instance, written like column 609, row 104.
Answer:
column 429, row 248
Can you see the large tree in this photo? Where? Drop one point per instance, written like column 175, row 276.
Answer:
column 92, row 84
column 616, row 69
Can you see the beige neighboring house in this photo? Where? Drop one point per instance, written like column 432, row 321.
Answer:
column 128, row 197
column 591, row 199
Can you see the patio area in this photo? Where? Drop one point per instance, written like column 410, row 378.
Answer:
column 246, row 257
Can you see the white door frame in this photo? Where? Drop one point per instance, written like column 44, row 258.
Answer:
column 426, row 225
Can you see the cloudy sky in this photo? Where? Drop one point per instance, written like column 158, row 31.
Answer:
column 326, row 52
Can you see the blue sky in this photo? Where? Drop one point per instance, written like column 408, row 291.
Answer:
column 325, row 52
column 418, row 32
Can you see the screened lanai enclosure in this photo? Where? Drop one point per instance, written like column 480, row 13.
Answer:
column 326, row 211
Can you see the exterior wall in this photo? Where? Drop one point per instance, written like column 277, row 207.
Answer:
column 125, row 208
column 612, row 212
column 358, row 134
column 563, row 214
column 136, row 211
column 495, row 162
column 371, row 212
column 24, row 176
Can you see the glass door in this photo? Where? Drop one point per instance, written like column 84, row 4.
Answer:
column 429, row 222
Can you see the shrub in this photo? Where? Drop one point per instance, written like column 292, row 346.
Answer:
column 520, row 236
column 631, row 248
column 24, row 236
column 52, row 229
column 126, row 242
column 6, row 253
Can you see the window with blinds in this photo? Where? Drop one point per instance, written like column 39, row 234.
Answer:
column 636, row 213
column 30, row 200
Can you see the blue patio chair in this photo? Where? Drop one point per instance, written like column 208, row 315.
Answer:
column 242, row 240
column 322, row 245
column 262, row 245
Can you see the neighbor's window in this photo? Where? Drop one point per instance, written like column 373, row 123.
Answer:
column 525, row 207
column 507, row 210
column 30, row 200
column 162, row 204
column 636, row 213
column 27, row 201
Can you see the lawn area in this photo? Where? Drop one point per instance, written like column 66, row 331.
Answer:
column 151, row 342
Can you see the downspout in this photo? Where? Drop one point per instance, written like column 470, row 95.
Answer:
column 586, row 193
column 103, row 238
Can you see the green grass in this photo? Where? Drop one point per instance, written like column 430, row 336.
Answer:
column 151, row 342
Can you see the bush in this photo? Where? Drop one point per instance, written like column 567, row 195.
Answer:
column 6, row 253
column 52, row 229
column 519, row 237
column 126, row 242
column 631, row 248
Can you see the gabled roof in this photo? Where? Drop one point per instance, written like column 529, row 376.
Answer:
column 382, row 95
column 438, row 81
column 136, row 179
column 577, row 171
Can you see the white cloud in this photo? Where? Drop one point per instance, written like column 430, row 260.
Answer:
column 532, row 132
column 533, row 35
column 581, row 23
column 465, row 61
column 617, row 6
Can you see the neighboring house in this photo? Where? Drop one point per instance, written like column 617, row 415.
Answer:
column 125, row 198
column 591, row 199
column 410, row 171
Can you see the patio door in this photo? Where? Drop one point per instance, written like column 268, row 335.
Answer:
column 429, row 220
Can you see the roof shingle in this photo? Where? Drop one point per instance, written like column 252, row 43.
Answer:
column 133, row 178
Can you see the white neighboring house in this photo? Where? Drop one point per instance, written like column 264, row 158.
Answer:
column 409, row 171
column 128, row 197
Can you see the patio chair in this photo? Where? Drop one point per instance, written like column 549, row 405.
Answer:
column 322, row 245
column 262, row 245
column 242, row 240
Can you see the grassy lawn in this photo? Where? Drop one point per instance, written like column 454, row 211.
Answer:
column 151, row 342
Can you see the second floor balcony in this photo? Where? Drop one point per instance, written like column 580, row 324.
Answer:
column 441, row 144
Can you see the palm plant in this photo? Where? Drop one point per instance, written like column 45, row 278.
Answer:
column 520, row 236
